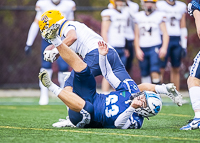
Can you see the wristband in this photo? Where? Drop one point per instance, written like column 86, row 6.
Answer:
column 56, row 42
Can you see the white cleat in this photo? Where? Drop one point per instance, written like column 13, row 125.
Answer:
column 173, row 94
column 63, row 123
column 44, row 78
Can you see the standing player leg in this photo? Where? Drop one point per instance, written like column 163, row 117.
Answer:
column 194, row 90
column 63, row 67
column 129, row 46
column 44, row 97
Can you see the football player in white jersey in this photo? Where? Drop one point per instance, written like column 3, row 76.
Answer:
column 113, row 27
column 67, row 7
column 176, row 28
column 149, row 46
column 194, row 78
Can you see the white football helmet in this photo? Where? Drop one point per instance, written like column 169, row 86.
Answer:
column 153, row 102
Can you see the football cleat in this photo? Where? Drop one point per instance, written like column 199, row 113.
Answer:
column 44, row 78
column 173, row 94
column 63, row 123
column 194, row 124
column 51, row 32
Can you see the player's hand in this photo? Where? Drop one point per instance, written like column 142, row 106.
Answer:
column 50, row 55
column 162, row 52
column 27, row 50
column 51, row 32
column 140, row 55
column 103, row 48
column 126, row 52
column 138, row 102
column 183, row 52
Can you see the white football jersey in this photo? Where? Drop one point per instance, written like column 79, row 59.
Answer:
column 116, row 32
column 149, row 28
column 87, row 39
column 66, row 7
column 133, row 8
column 174, row 14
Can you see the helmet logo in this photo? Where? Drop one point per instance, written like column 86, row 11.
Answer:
column 44, row 19
column 157, row 108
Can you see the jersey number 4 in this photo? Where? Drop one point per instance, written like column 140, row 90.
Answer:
column 114, row 109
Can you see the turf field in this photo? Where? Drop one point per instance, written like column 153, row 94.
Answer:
column 23, row 120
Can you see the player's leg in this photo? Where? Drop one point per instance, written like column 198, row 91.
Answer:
column 145, row 67
column 44, row 97
column 82, row 111
column 167, row 89
column 175, row 76
column 129, row 46
column 155, row 64
column 163, row 63
column 175, row 62
column 194, row 90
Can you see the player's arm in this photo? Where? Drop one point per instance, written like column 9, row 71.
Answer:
column 70, row 37
column 124, row 120
column 165, row 39
column 196, row 15
column 33, row 31
column 139, row 52
column 105, row 24
column 105, row 66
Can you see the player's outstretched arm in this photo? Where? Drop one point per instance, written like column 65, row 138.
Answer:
column 105, row 65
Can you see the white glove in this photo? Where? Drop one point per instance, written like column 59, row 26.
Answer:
column 50, row 55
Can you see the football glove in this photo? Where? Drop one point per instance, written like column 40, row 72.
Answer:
column 50, row 55
column 27, row 50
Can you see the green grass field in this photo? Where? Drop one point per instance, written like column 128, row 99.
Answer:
column 23, row 120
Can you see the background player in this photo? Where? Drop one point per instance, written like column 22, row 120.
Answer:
column 176, row 28
column 149, row 47
column 67, row 7
column 194, row 78
column 113, row 27
column 129, row 35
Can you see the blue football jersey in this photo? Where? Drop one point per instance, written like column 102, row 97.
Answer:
column 108, row 107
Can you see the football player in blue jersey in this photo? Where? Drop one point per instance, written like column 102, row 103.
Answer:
column 194, row 78
column 124, row 108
